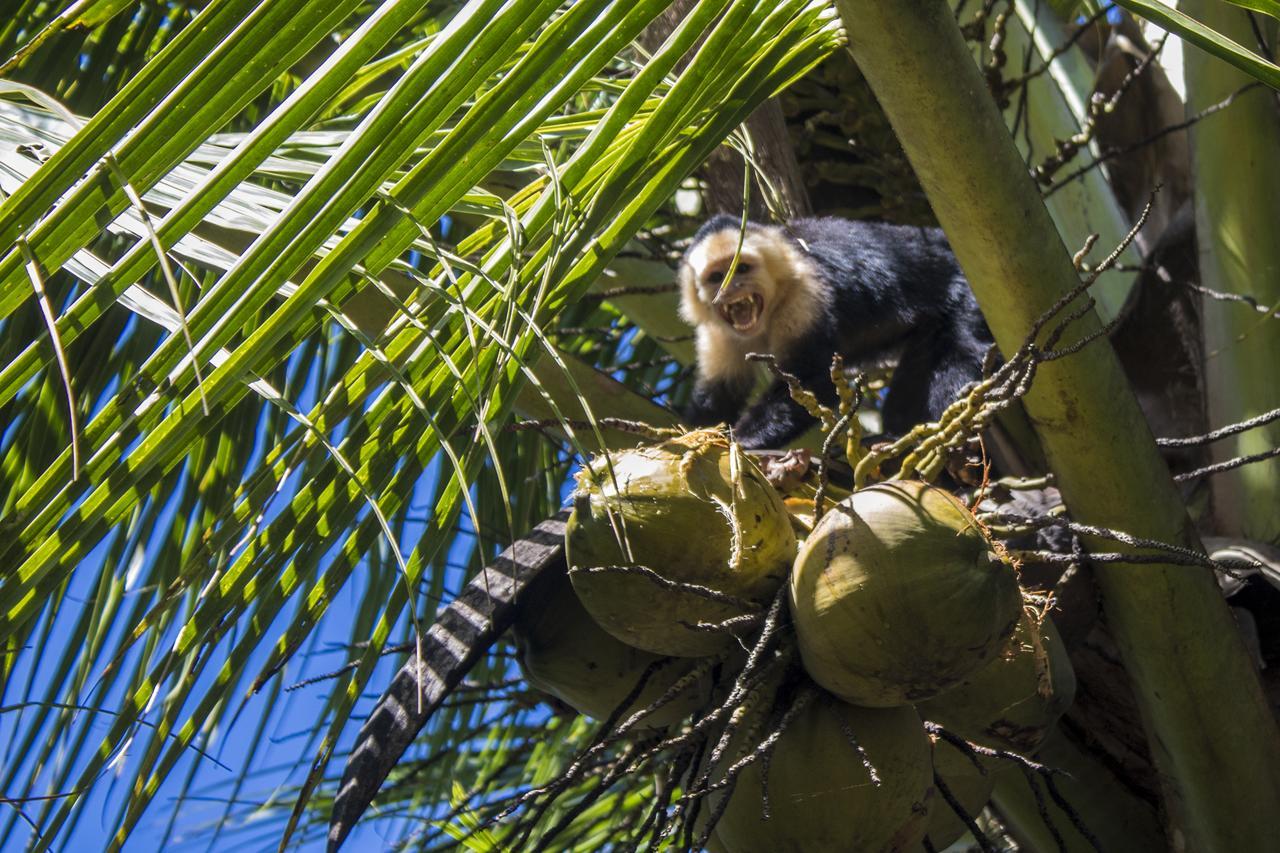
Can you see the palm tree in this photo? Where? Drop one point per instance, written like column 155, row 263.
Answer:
column 274, row 279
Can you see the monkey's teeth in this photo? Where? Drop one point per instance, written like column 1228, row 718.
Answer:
column 743, row 313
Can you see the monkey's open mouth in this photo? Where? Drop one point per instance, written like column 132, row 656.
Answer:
column 743, row 313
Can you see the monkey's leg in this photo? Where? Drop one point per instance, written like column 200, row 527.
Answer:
column 459, row 638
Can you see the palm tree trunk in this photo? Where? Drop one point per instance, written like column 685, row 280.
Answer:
column 1211, row 732
column 1235, row 157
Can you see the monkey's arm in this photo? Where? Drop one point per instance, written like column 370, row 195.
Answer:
column 773, row 422
column 932, row 372
column 716, row 401
column 776, row 419
column 459, row 638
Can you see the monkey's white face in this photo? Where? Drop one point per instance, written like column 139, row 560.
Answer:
column 743, row 303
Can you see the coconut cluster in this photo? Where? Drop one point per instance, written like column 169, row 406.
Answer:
column 903, row 610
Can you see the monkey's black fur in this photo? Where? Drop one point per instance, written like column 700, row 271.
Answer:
column 894, row 288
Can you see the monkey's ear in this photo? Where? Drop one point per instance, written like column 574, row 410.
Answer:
column 685, row 277
column 692, row 308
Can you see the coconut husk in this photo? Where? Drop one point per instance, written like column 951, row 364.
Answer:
column 667, row 542
column 898, row 595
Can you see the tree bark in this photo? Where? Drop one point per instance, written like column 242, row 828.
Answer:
column 769, row 138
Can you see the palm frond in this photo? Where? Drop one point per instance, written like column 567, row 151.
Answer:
column 312, row 411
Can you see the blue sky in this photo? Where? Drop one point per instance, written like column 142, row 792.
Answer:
column 276, row 750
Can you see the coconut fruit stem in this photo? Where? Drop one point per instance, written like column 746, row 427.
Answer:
column 961, row 812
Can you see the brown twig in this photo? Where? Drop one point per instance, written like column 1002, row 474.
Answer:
column 1112, row 153
column 631, row 290
column 1099, row 105
column 620, row 424
column 1221, row 432
column 961, row 812
column 1219, row 467
column 666, row 583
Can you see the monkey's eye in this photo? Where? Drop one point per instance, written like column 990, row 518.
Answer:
column 715, row 277
column 744, row 267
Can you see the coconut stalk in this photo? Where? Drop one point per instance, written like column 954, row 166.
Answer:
column 655, row 313
column 580, row 392
column 1211, row 732
column 1117, row 818
column 1234, row 157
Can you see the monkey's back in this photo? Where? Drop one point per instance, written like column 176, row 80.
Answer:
column 904, row 276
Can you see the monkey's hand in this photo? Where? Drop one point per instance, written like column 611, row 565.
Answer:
column 966, row 465
column 786, row 472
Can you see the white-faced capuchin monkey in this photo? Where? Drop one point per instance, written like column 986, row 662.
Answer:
column 816, row 287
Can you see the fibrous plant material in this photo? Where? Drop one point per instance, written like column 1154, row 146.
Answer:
column 673, row 546
column 821, row 790
column 898, row 595
column 967, row 783
column 1013, row 701
column 562, row 651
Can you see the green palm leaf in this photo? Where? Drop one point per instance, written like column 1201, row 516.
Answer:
column 341, row 364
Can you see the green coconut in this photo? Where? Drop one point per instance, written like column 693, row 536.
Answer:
column 897, row 595
column 562, row 651
column 693, row 510
column 1013, row 701
column 968, row 785
column 821, row 796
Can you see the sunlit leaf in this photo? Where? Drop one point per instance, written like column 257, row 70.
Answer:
column 1207, row 39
